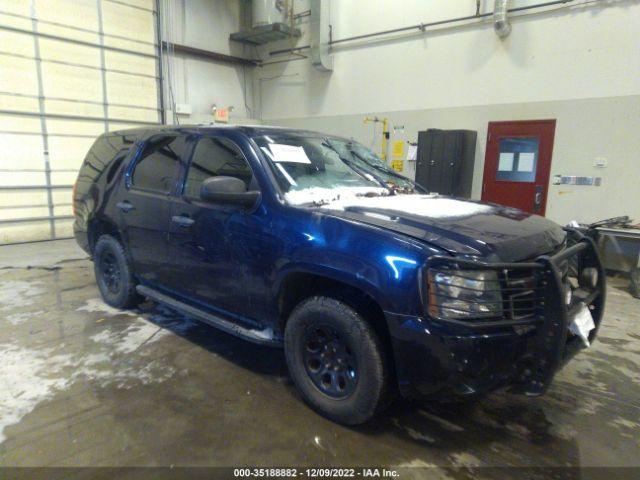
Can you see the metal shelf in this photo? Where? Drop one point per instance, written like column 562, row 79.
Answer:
column 265, row 34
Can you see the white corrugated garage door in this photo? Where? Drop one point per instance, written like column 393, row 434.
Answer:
column 69, row 70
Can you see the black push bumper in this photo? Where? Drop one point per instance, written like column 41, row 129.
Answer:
column 521, row 350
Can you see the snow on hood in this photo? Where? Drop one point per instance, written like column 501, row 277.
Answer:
column 433, row 206
column 324, row 196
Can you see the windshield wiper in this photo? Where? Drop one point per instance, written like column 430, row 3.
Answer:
column 363, row 173
column 384, row 169
column 413, row 185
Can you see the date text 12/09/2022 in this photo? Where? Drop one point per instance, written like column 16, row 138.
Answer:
column 285, row 472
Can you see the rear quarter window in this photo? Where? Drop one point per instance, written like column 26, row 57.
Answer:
column 107, row 148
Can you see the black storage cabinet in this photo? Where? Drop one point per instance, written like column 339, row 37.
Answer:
column 445, row 161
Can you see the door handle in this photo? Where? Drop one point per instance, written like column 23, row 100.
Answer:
column 537, row 198
column 182, row 220
column 125, row 206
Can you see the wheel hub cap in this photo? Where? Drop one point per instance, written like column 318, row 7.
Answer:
column 329, row 362
column 110, row 272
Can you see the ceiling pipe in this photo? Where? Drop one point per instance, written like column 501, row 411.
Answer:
column 501, row 23
column 424, row 27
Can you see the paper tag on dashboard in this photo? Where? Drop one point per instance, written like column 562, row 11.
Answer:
column 288, row 153
column 582, row 323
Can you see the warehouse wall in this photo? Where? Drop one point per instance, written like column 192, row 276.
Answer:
column 578, row 64
column 200, row 83
column 586, row 128
column 69, row 71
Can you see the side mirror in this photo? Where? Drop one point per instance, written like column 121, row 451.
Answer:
column 228, row 190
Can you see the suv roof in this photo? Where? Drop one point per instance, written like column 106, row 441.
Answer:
column 250, row 130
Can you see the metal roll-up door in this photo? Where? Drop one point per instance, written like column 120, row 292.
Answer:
column 69, row 71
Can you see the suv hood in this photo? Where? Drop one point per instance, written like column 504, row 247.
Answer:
column 455, row 225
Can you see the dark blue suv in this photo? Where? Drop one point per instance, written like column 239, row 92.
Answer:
column 309, row 241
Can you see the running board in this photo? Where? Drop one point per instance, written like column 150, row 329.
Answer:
column 262, row 337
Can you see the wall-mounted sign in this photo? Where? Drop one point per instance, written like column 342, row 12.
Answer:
column 398, row 149
column 576, row 180
column 221, row 115
column 397, row 165
column 412, row 153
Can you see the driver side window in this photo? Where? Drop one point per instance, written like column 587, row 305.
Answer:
column 213, row 157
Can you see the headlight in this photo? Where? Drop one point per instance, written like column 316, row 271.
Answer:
column 464, row 294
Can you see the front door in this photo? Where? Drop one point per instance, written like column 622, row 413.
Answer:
column 517, row 164
column 205, row 239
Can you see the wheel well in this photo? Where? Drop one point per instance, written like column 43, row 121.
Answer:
column 97, row 228
column 298, row 286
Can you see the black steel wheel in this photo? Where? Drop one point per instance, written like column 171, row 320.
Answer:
column 110, row 271
column 329, row 361
column 336, row 360
column 114, row 274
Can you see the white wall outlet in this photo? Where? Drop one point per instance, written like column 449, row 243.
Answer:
column 600, row 162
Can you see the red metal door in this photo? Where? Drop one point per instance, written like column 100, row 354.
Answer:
column 517, row 164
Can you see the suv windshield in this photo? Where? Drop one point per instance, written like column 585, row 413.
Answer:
column 319, row 169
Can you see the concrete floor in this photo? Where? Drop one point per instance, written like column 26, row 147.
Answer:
column 83, row 384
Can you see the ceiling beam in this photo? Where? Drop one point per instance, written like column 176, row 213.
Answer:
column 209, row 55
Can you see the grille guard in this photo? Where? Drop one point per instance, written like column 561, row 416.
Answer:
column 552, row 345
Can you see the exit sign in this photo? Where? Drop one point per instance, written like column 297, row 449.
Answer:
column 221, row 115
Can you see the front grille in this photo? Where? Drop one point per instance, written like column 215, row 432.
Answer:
column 547, row 289
column 513, row 296
column 522, row 295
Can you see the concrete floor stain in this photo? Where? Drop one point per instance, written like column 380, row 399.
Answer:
column 85, row 384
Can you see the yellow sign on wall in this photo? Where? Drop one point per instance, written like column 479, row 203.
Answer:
column 397, row 165
column 398, row 148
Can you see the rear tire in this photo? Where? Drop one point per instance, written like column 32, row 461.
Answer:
column 336, row 360
column 114, row 274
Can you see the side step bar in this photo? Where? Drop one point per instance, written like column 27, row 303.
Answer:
column 262, row 337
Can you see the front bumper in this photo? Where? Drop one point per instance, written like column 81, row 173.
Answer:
column 452, row 358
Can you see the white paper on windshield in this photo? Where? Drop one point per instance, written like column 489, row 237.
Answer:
column 525, row 161
column 288, row 153
column 282, row 170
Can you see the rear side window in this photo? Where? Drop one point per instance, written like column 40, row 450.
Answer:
column 213, row 157
column 157, row 167
column 105, row 151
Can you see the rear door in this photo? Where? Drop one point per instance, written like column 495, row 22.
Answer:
column 144, row 204
column 518, row 163
column 206, row 239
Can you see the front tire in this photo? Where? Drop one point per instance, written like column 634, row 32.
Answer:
column 336, row 360
column 114, row 275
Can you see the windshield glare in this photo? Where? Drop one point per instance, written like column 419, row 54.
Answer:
column 315, row 164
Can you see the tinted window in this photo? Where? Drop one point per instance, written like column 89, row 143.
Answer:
column 105, row 149
column 213, row 157
column 157, row 167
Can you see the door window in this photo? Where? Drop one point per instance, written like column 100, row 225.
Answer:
column 517, row 159
column 216, row 157
column 156, row 169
